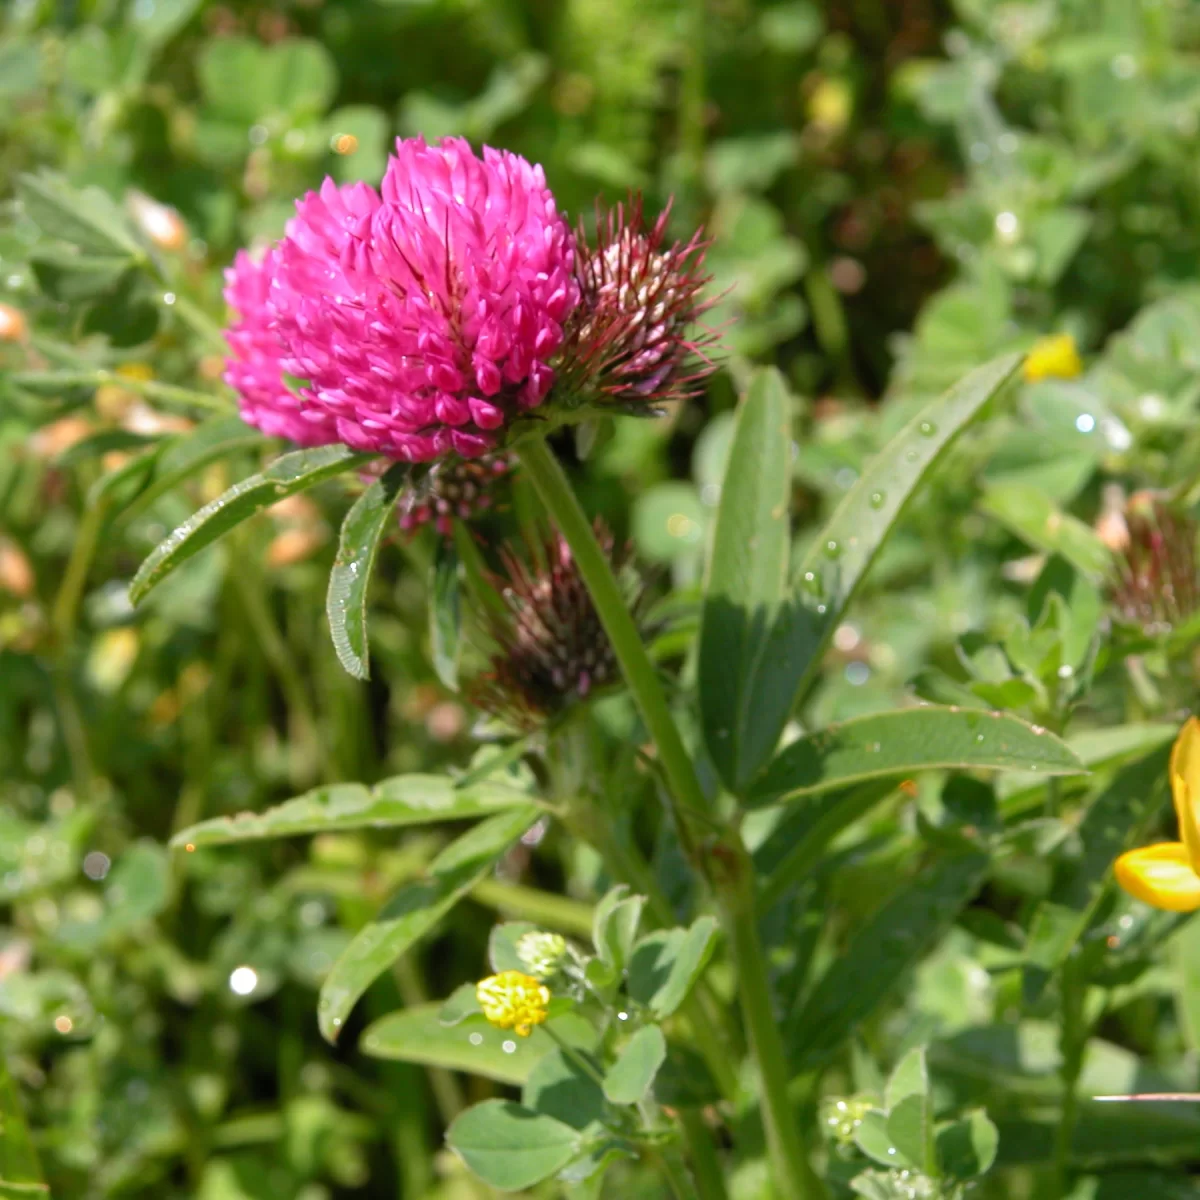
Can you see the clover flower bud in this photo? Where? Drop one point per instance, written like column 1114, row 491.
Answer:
column 541, row 953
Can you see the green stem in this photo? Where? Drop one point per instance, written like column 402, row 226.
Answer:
column 64, row 618
column 706, row 1166
column 555, row 490
column 165, row 393
column 1072, row 1044
column 70, row 590
column 545, row 909
column 574, row 1055
column 673, row 1172
column 794, row 1176
column 311, row 755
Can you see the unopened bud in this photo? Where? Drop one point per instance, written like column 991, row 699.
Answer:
column 540, row 953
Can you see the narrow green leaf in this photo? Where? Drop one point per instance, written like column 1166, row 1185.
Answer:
column 66, row 276
column 402, row 800
column 19, row 1168
column 1106, row 1134
column 747, row 577
column 346, row 603
column 1112, row 824
column 185, row 456
column 826, row 580
column 88, row 219
column 879, row 954
column 1037, row 520
column 807, row 827
column 632, row 1075
column 1097, row 749
column 666, row 964
column 417, row 1035
column 908, row 740
column 511, row 1147
column 413, row 911
column 445, row 615
column 559, row 1087
column 295, row 472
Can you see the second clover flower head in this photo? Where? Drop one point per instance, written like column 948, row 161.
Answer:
column 1167, row 875
column 414, row 322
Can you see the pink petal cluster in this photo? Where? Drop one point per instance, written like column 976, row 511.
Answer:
column 422, row 318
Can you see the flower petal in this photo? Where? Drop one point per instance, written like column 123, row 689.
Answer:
column 1185, row 787
column 1160, row 876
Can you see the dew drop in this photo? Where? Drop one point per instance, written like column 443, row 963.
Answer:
column 833, row 548
column 927, row 429
column 877, row 500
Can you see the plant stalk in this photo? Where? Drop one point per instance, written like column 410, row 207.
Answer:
column 795, row 1178
column 793, row 1174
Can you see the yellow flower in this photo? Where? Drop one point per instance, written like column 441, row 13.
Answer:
column 1054, row 357
column 514, row 1000
column 1168, row 875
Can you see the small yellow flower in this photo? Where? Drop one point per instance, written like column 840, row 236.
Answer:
column 1168, row 875
column 831, row 105
column 513, row 1000
column 1054, row 357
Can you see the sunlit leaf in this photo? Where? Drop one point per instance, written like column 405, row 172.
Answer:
column 403, row 800
column 413, row 911
column 295, row 472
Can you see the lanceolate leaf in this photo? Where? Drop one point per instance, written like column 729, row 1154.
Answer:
column 1112, row 824
column 364, row 526
column 825, row 581
column 1036, row 519
column 747, row 576
column 445, row 617
column 184, row 456
column 296, row 472
column 413, row 911
column 914, row 739
column 404, row 800
column 879, row 955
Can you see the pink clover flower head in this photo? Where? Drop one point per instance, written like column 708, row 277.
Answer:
column 422, row 319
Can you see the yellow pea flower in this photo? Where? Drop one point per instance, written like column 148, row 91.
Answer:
column 514, row 1000
column 1054, row 357
column 1167, row 875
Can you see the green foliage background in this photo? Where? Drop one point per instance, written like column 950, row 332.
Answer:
column 896, row 191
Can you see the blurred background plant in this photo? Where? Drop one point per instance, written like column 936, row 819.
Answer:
column 896, row 192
